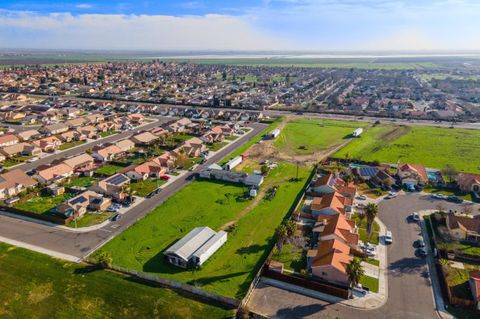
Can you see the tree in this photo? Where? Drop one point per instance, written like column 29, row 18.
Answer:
column 291, row 226
column 354, row 272
column 450, row 172
column 361, row 216
column 371, row 212
column 105, row 259
column 281, row 233
column 265, row 169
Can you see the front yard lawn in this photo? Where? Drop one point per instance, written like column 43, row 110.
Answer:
column 448, row 192
column 82, row 181
column 9, row 162
column 143, row 188
column 108, row 133
column 109, row 169
column 214, row 204
column 369, row 282
column 232, row 137
column 372, row 261
column 41, row 204
column 68, row 145
column 90, row 219
column 362, row 230
column 38, row 286
column 216, row 146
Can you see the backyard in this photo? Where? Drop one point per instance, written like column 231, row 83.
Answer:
column 307, row 136
column 109, row 169
column 37, row 286
column 144, row 187
column 41, row 204
column 220, row 206
column 434, row 147
column 82, row 181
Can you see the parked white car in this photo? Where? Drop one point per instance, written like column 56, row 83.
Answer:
column 415, row 217
column 388, row 237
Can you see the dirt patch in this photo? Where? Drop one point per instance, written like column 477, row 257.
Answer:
column 395, row 133
column 39, row 293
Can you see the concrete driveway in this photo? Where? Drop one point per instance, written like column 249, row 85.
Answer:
column 409, row 287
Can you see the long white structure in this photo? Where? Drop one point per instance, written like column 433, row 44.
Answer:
column 357, row 132
column 196, row 247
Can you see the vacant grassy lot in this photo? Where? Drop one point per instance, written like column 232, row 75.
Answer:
column 66, row 146
column 307, row 136
column 109, row 169
column 37, row 286
column 143, row 188
column 41, row 204
column 216, row 146
column 205, row 203
column 83, row 181
column 292, row 257
column 431, row 146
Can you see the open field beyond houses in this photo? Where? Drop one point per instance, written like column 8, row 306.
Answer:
column 33, row 285
column 431, row 146
column 217, row 205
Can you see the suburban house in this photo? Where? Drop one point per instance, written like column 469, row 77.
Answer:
column 196, row 247
column 107, row 153
column 193, row 147
column 146, row 170
column 215, row 172
column 125, row 145
column 76, row 122
column 89, row 131
column 78, row 205
column 383, row 179
column 80, row 162
column 469, row 183
column 53, row 129
column 7, row 140
column 329, row 262
column 53, row 173
column 68, row 136
column 48, row 144
column 330, row 183
column 136, row 118
column 28, row 135
column 464, row 227
column 412, row 174
column 474, row 282
column 20, row 148
column 180, row 125
column 114, row 186
column 331, row 204
column 13, row 182
column 166, row 160
column 338, row 227
column 144, row 138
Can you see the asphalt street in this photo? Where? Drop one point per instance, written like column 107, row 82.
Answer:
column 409, row 287
column 81, row 244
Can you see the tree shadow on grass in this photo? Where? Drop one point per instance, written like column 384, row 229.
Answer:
column 209, row 280
column 252, row 249
column 159, row 264
column 87, row 269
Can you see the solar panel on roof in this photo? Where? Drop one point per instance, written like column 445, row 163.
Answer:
column 118, row 179
column 368, row 171
column 78, row 200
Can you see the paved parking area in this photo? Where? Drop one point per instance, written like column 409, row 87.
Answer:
column 409, row 286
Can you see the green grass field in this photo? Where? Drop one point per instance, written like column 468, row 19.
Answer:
column 143, row 188
column 434, row 147
column 83, row 181
column 41, row 204
column 66, row 146
column 205, row 203
column 37, row 286
column 109, row 169
column 307, row 136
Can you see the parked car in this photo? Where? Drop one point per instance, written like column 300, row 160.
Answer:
column 115, row 217
column 436, row 196
column 455, row 199
column 415, row 217
column 419, row 243
column 361, row 197
column 164, row 177
column 388, row 237
column 390, row 196
column 422, row 252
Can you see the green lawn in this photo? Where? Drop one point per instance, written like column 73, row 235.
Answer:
column 109, row 169
column 372, row 261
column 292, row 257
column 15, row 160
column 41, row 204
column 369, row 282
column 90, row 219
column 83, row 181
column 216, row 146
column 205, row 203
column 108, row 133
column 362, row 231
column 448, row 192
column 232, row 137
column 37, row 286
column 143, row 188
column 307, row 136
column 434, row 147
column 66, row 146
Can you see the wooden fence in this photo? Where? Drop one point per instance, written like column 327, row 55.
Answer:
column 48, row 218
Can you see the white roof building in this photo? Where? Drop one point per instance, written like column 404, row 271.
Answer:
column 196, row 247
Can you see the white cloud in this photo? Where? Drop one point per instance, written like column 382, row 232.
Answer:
column 133, row 32
column 84, row 6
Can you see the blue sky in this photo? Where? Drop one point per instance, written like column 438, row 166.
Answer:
column 242, row 25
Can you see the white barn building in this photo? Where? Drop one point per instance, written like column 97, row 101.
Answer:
column 357, row 132
column 196, row 247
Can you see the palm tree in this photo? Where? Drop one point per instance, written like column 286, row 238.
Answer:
column 281, row 233
column 354, row 272
column 371, row 212
column 291, row 226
